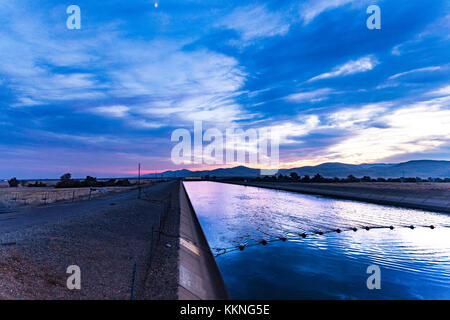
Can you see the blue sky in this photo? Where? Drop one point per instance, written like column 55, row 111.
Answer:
column 101, row 99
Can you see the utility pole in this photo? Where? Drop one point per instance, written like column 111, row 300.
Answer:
column 139, row 174
column 139, row 180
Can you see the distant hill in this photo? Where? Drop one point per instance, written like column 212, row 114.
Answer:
column 416, row 168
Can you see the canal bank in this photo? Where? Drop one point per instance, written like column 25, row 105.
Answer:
column 431, row 200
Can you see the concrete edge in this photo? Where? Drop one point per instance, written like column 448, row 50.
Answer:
column 411, row 203
column 199, row 275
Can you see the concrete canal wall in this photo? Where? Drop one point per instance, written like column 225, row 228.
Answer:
column 199, row 275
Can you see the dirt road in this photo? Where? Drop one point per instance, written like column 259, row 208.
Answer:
column 105, row 237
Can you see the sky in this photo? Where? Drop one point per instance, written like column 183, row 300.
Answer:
column 99, row 100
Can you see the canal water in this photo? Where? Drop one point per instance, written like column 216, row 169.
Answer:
column 413, row 263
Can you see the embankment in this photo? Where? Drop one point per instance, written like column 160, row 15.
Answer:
column 411, row 196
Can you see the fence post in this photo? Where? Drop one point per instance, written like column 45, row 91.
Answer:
column 132, row 282
column 151, row 249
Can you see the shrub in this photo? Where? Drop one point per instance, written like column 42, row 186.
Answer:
column 37, row 185
column 13, row 183
column 123, row 183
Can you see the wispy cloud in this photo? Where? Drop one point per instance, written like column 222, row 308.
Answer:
column 253, row 22
column 443, row 91
column 420, row 127
column 112, row 111
column 378, row 131
column 311, row 9
column 181, row 83
column 427, row 69
column 311, row 96
column 354, row 66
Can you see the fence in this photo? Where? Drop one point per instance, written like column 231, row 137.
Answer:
column 12, row 199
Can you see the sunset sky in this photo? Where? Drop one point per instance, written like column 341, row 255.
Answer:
column 97, row 101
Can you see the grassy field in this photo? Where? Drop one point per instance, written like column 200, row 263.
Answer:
column 23, row 196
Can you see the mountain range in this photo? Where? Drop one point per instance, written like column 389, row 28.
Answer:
column 415, row 168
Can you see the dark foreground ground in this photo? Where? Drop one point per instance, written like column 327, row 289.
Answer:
column 105, row 237
column 422, row 195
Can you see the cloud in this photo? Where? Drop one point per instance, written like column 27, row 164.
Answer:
column 427, row 69
column 112, row 111
column 354, row 66
column 420, row 127
column 253, row 22
column 152, row 77
column 145, row 124
column 310, row 96
column 396, row 50
column 383, row 130
column 350, row 118
column 188, row 85
column 444, row 91
column 311, row 9
column 27, row 102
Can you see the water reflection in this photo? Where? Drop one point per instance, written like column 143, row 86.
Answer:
column 415, row 263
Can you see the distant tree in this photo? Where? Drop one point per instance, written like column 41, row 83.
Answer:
column 306, row 179
column 366, row 179
column 317, row 178
column 381, row 179
column 23, row 183
column 13, row 183
column 352, row 178
column 66, row 177
column 90, row 182
column 214, row 177
column 207, row 177
column 294, row 176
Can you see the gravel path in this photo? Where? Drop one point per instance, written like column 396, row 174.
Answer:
column 105, row 237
